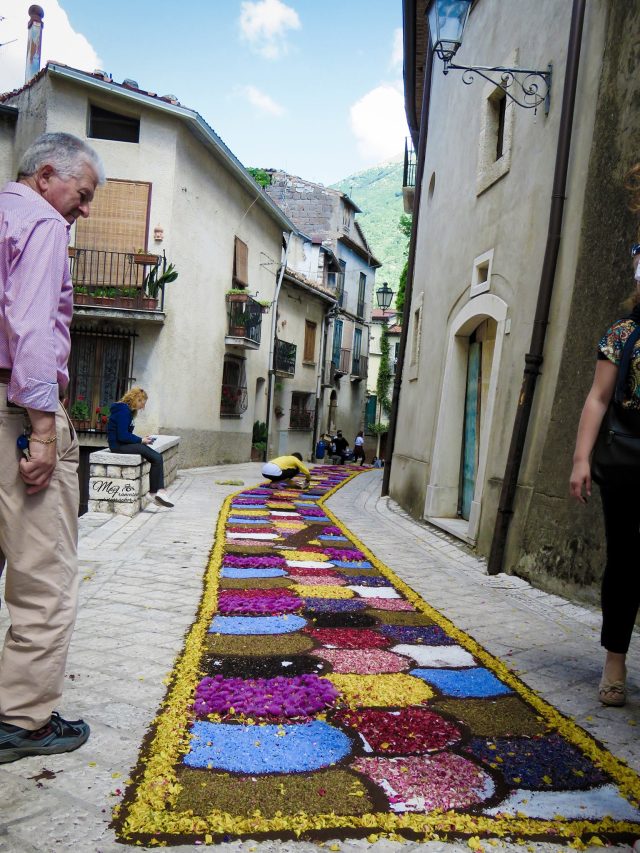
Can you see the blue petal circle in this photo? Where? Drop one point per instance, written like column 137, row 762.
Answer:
column 256, row 624
column 233, row 572
column 266, row 749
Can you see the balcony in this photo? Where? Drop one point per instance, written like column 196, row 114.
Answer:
column 301, row 419
column 342, row 364
column 408, row 176
column 359, row 367
column 234, row 400
column 285, row 358
column 244, row 318
column 113, row 284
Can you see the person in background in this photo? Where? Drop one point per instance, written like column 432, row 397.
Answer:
column 341, row 445
column 122, row 439
column 286, row 468
column 358, row 448
column 321, row 449
column 620, row 598
column 39, row 495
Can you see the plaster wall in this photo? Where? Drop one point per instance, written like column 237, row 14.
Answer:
column 508, row 216
column 7, row 134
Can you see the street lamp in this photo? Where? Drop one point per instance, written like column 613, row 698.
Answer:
column 384, row 295
column 447, row 19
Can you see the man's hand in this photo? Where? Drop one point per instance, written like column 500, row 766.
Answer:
column 38, row 470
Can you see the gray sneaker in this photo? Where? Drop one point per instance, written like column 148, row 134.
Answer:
column 56, row 736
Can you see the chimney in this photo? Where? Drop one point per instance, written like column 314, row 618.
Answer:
column 34, row 42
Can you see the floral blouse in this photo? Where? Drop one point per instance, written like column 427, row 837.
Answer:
column 610, row 348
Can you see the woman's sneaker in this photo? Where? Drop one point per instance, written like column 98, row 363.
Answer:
column 56, row 736
column 161, row 497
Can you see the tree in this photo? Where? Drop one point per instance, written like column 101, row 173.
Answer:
column 260, row 176
column 404, row 226
column 384, row 372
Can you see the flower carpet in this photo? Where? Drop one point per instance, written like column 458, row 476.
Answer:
column 318, row 696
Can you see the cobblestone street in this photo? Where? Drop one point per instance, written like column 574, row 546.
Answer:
column 141, row 584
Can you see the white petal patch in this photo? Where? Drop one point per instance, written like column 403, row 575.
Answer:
column 595, row 804
column 308, row 564
column 374, row 591
column 435, row 655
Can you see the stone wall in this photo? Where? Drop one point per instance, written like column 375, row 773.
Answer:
column 119, row 482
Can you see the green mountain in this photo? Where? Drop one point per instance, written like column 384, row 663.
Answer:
column 378, row 192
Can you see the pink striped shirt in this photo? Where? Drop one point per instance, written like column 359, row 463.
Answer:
column 36, row 297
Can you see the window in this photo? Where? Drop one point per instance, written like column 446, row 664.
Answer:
column 496, row 134
column 103, row 124
column 99, row 373
column 346, row 218
column 343, row 272
column 357, row 351
column 240, row 264
column 302, row 411
column 362, row 287
column 309, row 342
column 234, row 399
column 337, row 343
column 481, row 275
column 119, row 218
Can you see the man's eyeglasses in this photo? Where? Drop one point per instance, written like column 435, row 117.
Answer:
column 635, row 250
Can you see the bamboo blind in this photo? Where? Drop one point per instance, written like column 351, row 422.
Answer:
column 119, row 218
column 241, row 263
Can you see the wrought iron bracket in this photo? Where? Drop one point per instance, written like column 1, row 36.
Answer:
column 531, row 88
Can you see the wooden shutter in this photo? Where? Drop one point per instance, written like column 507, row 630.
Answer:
column 240, row 263
column 119, row 218
column 309, row 341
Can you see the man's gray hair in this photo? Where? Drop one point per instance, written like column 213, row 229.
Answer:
column 66, row 153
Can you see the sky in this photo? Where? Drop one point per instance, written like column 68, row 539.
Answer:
column 313, row 87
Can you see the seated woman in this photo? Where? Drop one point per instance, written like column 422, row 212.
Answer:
column 122, row 439
column 285, row 468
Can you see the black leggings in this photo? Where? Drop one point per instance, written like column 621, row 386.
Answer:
column 358, row 453
column 156, row 474
column 287, row 474
column 621, row 579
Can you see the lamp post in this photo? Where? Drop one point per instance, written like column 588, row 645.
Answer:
column 447, row 20
column 384, row 295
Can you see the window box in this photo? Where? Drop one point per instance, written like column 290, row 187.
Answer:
column 145, row 258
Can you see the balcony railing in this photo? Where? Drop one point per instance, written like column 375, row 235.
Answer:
column 103, row 279
column 409, row 171
column 359, row 367
column 285, row 358
column 234, row 400
column 301, row 419
column 244, row 315
column 343, row 364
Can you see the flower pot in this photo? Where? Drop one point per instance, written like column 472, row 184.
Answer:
column 145, row 258
column 80, row 298
column 149, row 303
column 237, row 332
column 81, row 425
column 125, row 302
column 237, row 297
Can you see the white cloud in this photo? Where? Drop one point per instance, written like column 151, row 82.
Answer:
column 379, row 124
column 261, row 100
column 397, row 50
column 60, row 42
column 264, row 24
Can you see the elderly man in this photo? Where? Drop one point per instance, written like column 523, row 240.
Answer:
column 57, row 178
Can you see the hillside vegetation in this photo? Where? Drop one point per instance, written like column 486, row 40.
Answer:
column 378, row 192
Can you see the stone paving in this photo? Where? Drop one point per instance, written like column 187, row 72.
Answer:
column 141, row 584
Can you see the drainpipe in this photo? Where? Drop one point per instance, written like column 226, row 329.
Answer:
column 408, row 293
column 533, row 359
column 323, row 355
column 272, row 342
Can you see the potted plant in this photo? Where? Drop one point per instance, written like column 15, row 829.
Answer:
column 102, row 416
column 237, row 294
column 80, row 413
column 155, row 279
column 145, row 258
column 80, row 295
column 126, row 297
column 265, row 304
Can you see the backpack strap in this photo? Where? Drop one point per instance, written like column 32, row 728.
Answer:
column 625, row 363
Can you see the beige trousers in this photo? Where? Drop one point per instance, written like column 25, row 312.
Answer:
column 38, row 544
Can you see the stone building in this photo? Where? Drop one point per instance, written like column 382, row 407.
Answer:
column 328, row 216
column 481, row 250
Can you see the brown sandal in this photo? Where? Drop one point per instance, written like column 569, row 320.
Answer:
column 612, row 693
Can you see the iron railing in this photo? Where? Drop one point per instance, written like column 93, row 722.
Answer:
column 409, row 171
column 360, row 366
column 234, row 399
column 285, row 357
column 301, row 419
column 113, row 279
column 244, row 315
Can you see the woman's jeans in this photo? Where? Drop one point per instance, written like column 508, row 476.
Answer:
column 156, row 474
column 621, row 579
column 287, row 474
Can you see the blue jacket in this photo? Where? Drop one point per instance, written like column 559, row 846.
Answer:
column 120, row 426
